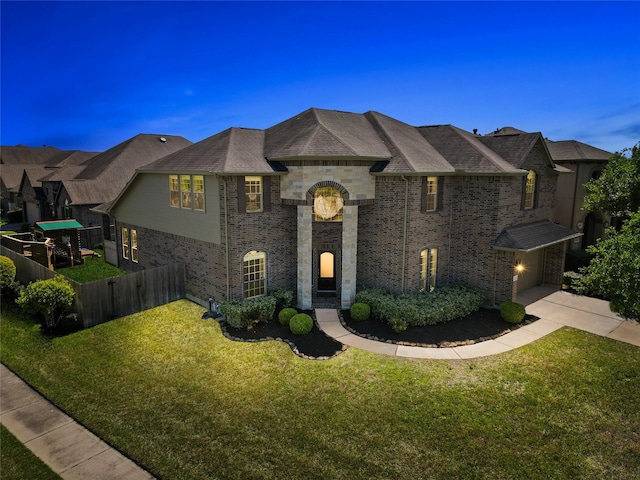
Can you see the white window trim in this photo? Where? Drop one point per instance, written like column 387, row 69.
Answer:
column 134, row 245
column 256, row 180
column 431, row 192
column 249, row 281
column 125, row 243
column 428, row 268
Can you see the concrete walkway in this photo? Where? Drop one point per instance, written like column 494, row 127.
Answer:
column 64, row 445
column 556, row 309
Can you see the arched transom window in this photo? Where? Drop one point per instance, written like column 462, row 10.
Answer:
column 327, row 205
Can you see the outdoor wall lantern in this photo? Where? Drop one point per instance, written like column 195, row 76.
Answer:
column 519, row 268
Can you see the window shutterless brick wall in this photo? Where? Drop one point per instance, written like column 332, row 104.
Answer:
column 273, row 231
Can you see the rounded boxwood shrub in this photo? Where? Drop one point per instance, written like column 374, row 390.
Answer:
column 286, row 314
column 360, row 311
column 301, row 324
column 7, row 271
column 512, row 312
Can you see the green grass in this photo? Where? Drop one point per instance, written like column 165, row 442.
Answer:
column 18, row 463
column 166, row 388
column 92, row 269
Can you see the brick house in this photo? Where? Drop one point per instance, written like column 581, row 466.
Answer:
column 328, row 202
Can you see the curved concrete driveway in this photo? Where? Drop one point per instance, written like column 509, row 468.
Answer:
column 556, row 309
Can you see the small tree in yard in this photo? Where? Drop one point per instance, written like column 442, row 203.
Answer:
column 50, row 299
column 614, row 272
column 617, row 190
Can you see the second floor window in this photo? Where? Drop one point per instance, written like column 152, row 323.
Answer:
column 253, row 194
column 431, row 194
column 530, row 190
column 187, row 192
column 327, row 205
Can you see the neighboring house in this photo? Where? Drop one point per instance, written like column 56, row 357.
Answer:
column 76, row 188
column 13, row 161
column 328, row 202
column 586, row 163
column 32, row 162
column 583, row 163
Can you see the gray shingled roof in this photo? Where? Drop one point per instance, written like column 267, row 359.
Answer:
column 465, row 151
column 235, row 150
column 513, row 148
column 120, row 162
column 532, row 236
column 574, row 151
column 106, row 174
column 324, row 133
column 411, row 152
column 21, row 155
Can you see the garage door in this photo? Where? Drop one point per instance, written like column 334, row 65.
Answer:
column 533, row 270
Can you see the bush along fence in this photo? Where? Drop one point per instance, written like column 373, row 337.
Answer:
column 104, row 300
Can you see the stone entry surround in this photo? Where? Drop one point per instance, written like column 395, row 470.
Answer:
column 349, row 256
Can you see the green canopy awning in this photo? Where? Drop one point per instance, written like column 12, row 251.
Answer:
column 58, row 225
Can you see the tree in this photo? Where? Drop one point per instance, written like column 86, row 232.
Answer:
column 617, row 190
column 51, row 299
column 614, row 272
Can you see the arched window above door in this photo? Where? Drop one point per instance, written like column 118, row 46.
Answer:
column 327, row 205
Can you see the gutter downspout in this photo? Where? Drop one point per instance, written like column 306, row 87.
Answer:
column 404, row 230
column 226, row 237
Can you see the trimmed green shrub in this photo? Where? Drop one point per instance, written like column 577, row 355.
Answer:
column 246, row 313
column 284, row 298
column 360, row 311
column 50, row 299
column 512, row 312
column 569, row 278
column 7, row 272
column 301, row 324
column 285, row 315
column 424, row 308
column 398, row 325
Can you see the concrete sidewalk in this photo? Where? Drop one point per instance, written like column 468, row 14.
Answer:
column 64, row 445
column 556, row 309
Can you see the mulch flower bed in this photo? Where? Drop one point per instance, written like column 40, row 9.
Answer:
column 315, row 345
column 482, row 325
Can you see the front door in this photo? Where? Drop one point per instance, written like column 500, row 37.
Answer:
column 327, row 272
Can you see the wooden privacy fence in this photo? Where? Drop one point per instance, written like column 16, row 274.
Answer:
column 103, row 300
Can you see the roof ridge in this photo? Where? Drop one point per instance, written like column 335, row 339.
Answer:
column 372, row 118
column 329, row 131
column 481, row 148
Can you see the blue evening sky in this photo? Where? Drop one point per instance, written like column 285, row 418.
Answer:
column 89, row 75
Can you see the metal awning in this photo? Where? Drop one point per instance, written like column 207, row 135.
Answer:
column 533, row 236
column 58, row 225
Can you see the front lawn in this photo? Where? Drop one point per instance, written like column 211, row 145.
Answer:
column 18, row 462
column 167, row 389
column 94, row 268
